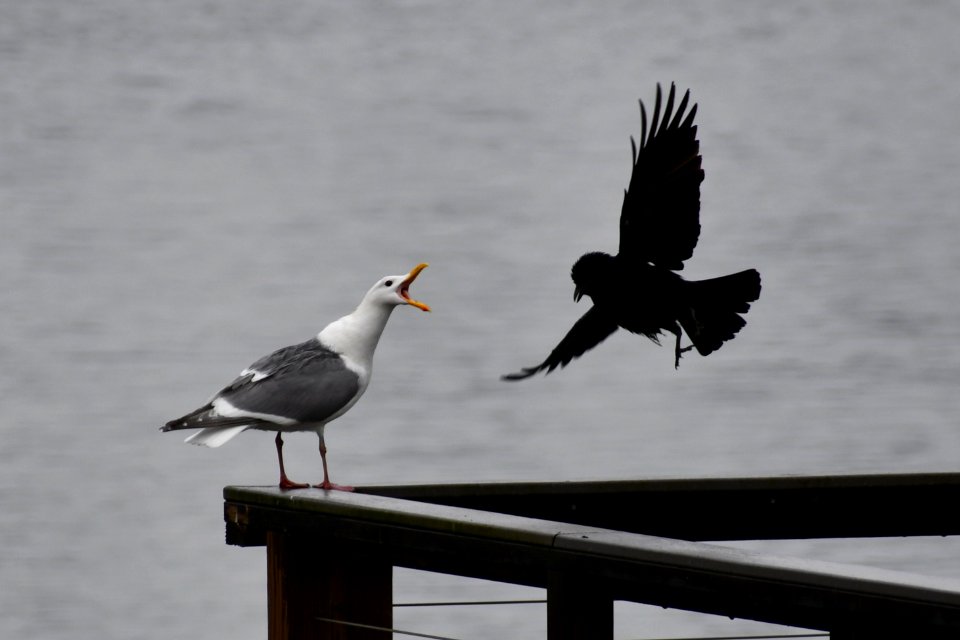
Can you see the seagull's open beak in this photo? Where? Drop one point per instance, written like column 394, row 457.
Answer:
column 404, row 289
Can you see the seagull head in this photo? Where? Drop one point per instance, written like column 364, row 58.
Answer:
column 395, row 290
column 591, row 273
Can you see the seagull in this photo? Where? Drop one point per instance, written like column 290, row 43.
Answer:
column 304, row 386
column 638, row 289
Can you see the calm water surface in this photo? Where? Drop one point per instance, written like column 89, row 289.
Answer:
column 185, row 186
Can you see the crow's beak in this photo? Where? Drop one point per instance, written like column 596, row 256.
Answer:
column 577, row 294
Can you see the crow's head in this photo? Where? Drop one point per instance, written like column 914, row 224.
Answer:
column 591, row 273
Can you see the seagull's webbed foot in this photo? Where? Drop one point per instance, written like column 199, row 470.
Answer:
column 286, row 484
column 326, row 485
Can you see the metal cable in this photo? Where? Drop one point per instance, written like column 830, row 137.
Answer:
column 466, row 603
column 384, row 629
column 415, row 634
column 761, row 637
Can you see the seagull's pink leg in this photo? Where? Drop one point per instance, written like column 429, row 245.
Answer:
column 327, row 485
column 285, row 482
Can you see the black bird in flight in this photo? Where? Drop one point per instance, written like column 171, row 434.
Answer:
column 638, row 289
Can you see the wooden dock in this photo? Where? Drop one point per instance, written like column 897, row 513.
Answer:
column 331, row 554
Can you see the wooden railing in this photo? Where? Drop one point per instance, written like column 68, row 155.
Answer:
column 331, row 554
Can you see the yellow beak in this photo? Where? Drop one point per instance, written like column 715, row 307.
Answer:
column 404, row 289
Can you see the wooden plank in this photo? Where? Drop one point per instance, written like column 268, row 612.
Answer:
column 310, row 586
column 241, row 502
column 634, row 567
column 874, row 603
column 869, row 505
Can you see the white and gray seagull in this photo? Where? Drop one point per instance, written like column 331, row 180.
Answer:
column 304, row 386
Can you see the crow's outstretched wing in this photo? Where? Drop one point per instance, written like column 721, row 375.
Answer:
column 660, row 218
column 590, row 330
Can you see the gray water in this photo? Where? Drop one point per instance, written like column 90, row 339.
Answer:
column 186, row 186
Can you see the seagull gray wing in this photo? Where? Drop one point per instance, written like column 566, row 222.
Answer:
column 302, row 383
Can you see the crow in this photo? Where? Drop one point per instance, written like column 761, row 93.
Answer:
column 638, row 289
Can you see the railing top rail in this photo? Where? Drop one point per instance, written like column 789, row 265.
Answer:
column 736, row 508
column 852, row 481
column 615, row 553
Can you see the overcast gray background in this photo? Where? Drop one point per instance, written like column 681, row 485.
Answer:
column 186, row 186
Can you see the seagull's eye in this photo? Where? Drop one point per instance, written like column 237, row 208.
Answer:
column 388, row 283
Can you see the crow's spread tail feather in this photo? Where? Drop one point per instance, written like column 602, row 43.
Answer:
column 715, row 308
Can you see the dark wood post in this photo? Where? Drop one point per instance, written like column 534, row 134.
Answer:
column 577, row 609
column 310, row 583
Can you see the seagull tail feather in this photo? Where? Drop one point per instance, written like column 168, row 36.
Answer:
column 216, row 436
